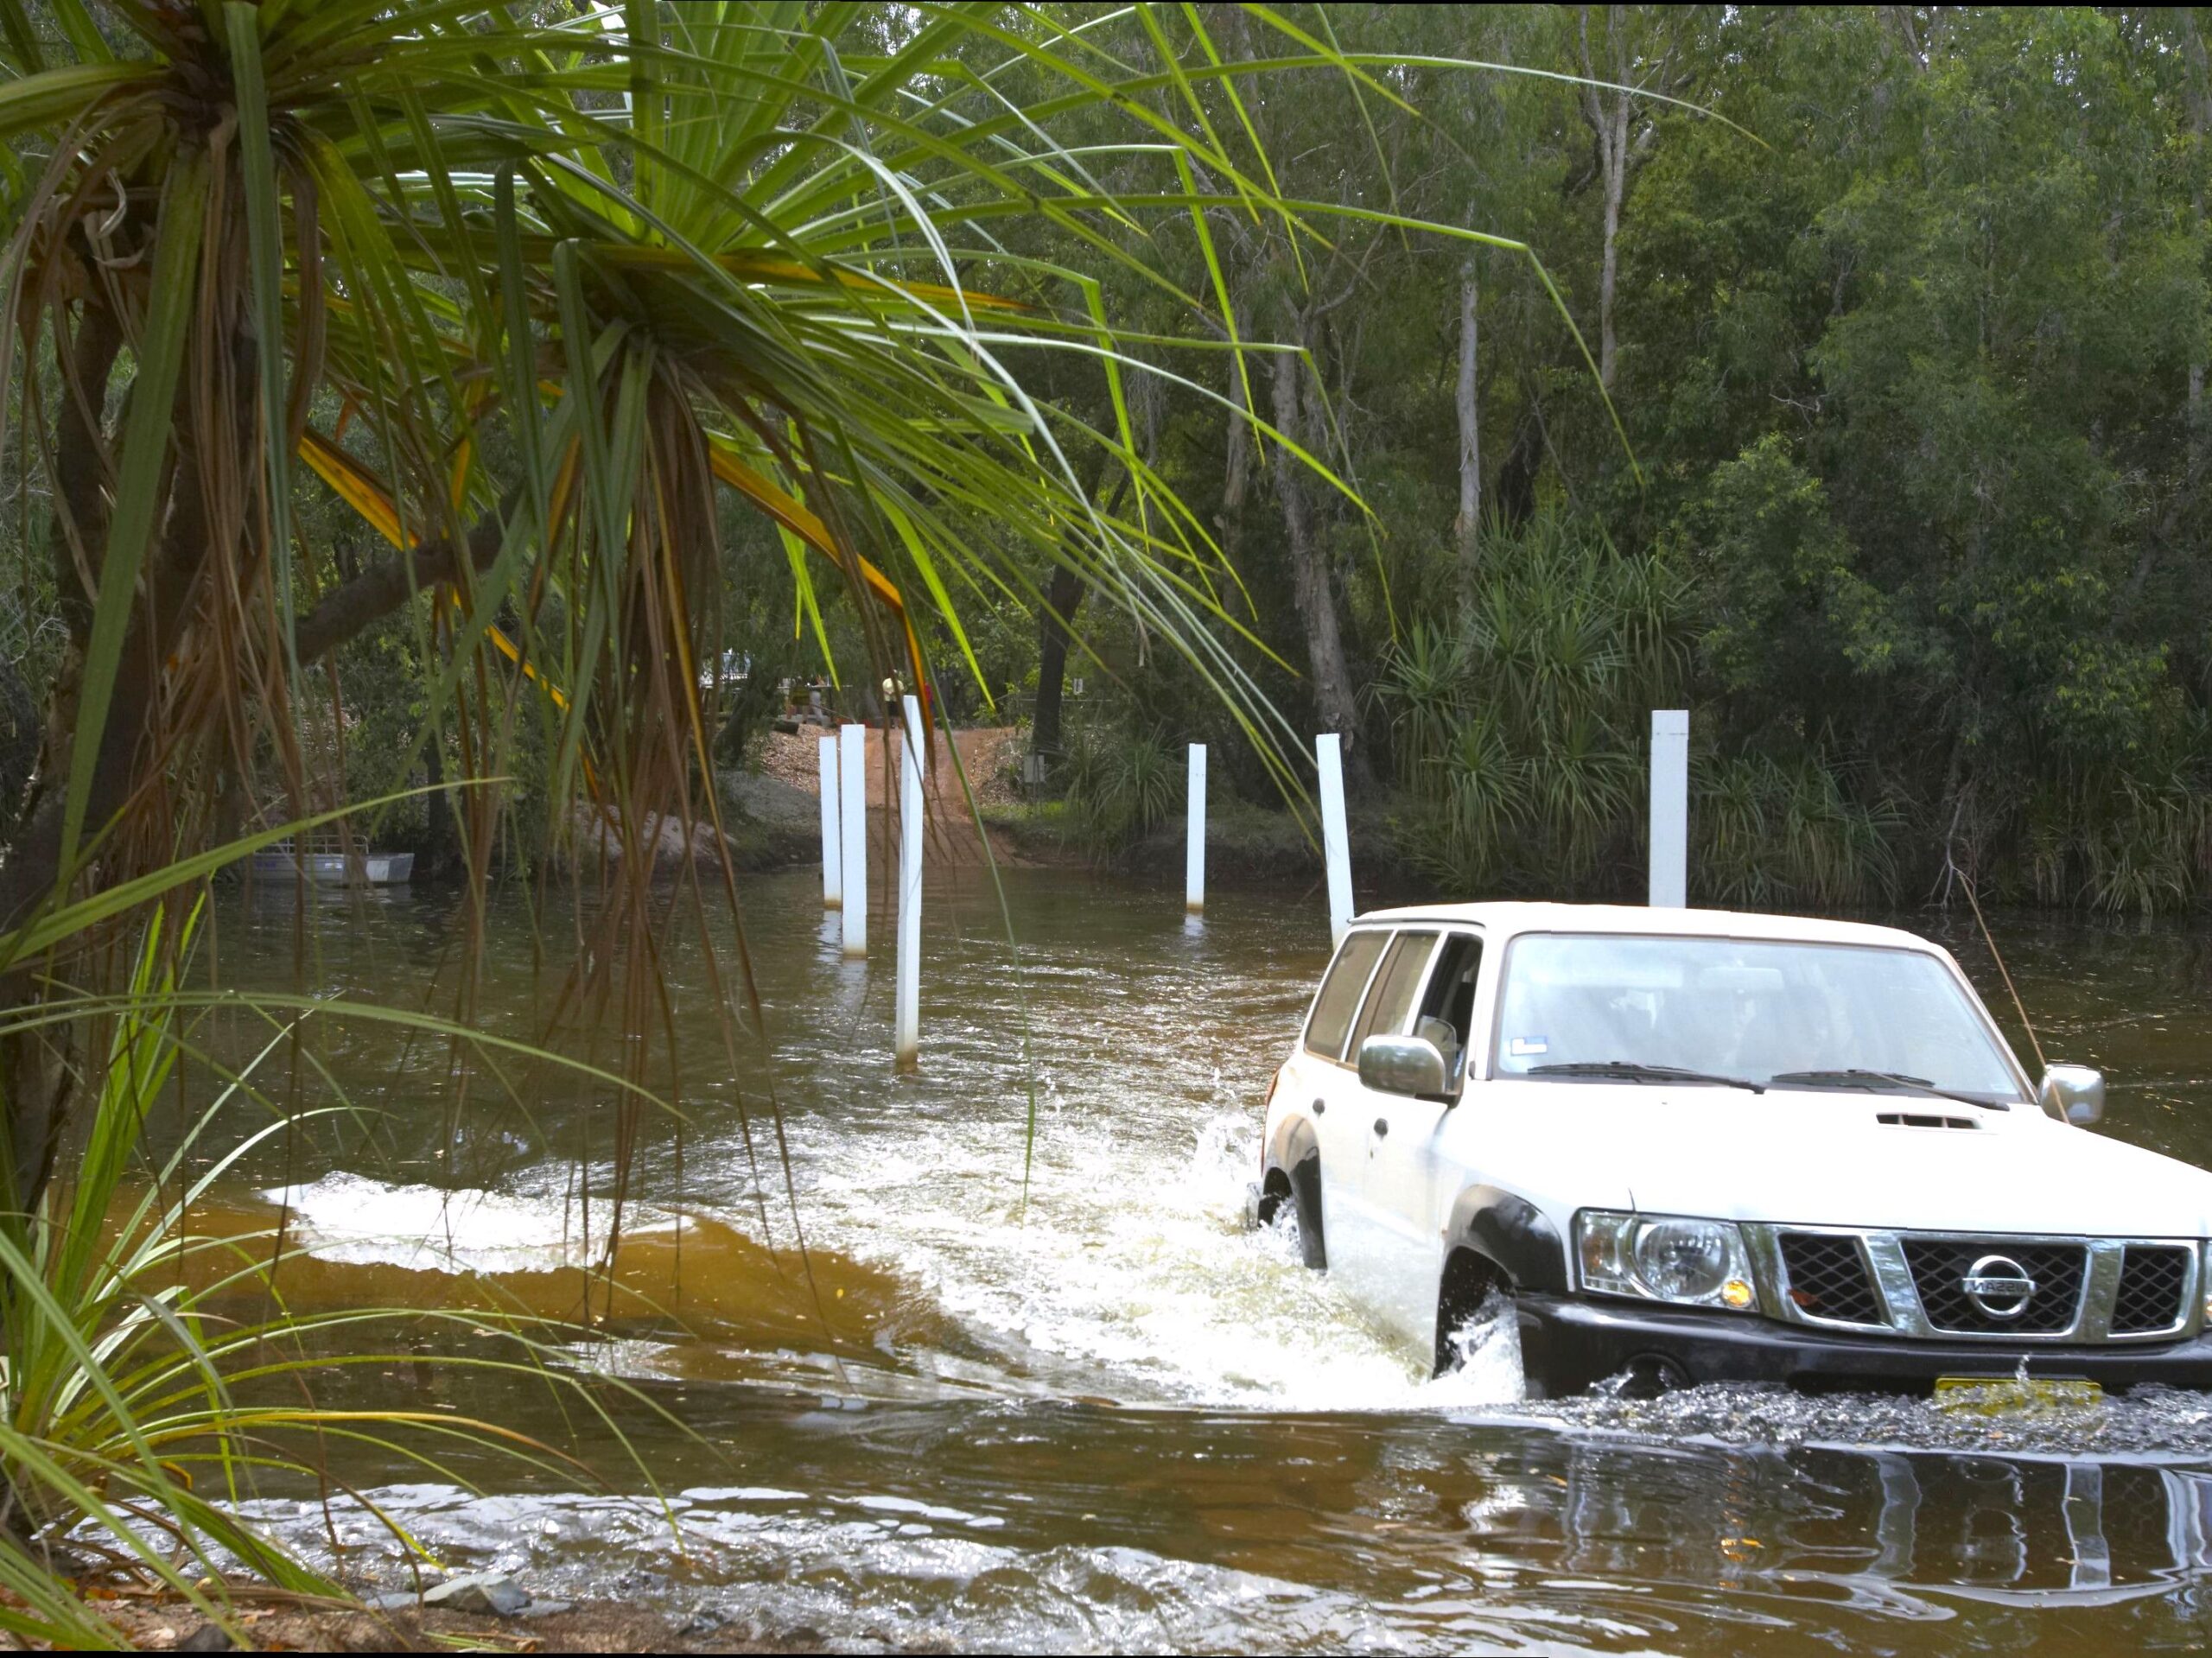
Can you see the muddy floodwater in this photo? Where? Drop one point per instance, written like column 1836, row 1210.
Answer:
column 1089, row 1409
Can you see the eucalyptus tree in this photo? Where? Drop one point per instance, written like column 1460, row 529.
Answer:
column 1920, row 388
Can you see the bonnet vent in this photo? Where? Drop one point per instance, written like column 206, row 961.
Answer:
column 1922, row 1120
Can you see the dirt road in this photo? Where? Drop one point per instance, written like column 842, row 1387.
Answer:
column 987, row 754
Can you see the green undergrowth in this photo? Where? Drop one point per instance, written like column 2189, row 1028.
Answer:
column 155, row 1378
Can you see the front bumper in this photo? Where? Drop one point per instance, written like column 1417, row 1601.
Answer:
column 1568, row 1343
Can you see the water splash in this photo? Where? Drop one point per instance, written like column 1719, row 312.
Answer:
column 356, row 1221
column 1485, row 1367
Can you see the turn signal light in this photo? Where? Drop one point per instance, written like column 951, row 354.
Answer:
column 1738, row 1294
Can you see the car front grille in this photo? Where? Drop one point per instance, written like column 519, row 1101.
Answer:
column 2152, row 1281
column 1829, row 1280
column 1943, row 1269
column 1951, row 1286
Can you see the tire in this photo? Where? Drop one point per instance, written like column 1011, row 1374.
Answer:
column 1469, row 1280
column 1305, row 1193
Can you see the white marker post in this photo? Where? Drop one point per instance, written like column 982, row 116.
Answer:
column 1194, row 865
column 833, row 887
column 907, row 1004
column 1670, row 808
column 1335, row 841
column 852, row 829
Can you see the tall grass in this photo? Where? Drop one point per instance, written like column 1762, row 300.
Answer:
column 1516, row 725
column 2127, row 834
column 154, row 1377
column 1520, row 731
column 1119, row 785
column 1769, row 833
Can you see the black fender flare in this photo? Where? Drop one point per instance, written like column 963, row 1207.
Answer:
column 1293, row 1141
column 1294, row 1149
column 1513, row 1235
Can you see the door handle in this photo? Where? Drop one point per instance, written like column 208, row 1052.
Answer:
column 1320, row 1107
column 1381, row 1126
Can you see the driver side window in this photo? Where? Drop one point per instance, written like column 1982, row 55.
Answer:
column 1448, row 1007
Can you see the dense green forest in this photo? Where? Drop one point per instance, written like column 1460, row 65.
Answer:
column 1901, row 313
column 1836, row 373
column 447, row 424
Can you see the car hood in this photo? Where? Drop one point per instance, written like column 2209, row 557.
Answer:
column 1823, row 1158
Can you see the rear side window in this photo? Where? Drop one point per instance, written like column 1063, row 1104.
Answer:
column 1392, row 998
column 1339, row 999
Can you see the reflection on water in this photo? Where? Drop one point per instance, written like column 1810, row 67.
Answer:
column 1014, row 1526
column 1074, row 1403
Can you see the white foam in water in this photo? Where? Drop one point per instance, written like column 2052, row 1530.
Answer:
column 1123, row 1265
column 360, row 1222
column 784, row 1570
column 1138, row 1267
column 1134, row 1263
column 1486, row 1367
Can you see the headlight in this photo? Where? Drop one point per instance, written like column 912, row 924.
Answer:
column 1666, row 1258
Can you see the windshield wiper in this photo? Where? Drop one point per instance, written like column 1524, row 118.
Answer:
column 1876, row 1081
column 1631, row 1070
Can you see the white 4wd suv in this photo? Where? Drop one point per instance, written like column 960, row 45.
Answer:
column 1694, row 1146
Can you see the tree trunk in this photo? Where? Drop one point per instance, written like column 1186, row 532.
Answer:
column 1513, row 501
column 1317, row 605
column 1237, row 460
column 1055, row 619
column 1062, row 599
column 1469, row 522
column 1608, row 340
column 34, row 1065
column 438, row 834
column 78, row 531
column 1608, row 115
column 2200, row 121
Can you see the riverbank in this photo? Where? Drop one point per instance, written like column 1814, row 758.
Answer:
column 1242, row 842
column 773, row 806
column 1246, row 846
column 774, row 821
column 274, row 1620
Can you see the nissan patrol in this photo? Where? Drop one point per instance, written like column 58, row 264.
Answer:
column 1694, row 1146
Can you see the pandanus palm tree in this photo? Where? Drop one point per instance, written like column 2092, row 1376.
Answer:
column 529, row 287
column 537, row 289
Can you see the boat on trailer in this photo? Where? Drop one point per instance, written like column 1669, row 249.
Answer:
column 325, row 862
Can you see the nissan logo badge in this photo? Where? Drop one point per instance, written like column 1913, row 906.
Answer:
column 1998, row 1285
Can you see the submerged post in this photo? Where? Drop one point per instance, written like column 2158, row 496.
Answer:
column 1670, row 808
column 852, row 831
column 1194, row 865
column 833, row 888
column 907, row 1005
column 1335, row 841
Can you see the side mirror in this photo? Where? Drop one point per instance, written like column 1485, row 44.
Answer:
column 2073, row 1094
column 1401, row 1064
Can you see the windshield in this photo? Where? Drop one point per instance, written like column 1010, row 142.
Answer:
column 1810, row 1015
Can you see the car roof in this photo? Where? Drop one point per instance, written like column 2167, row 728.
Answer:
column 1502, row 919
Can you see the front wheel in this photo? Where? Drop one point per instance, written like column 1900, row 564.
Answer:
column 1474, row 1295
column 1300, row 1188
column 1648, row 1375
